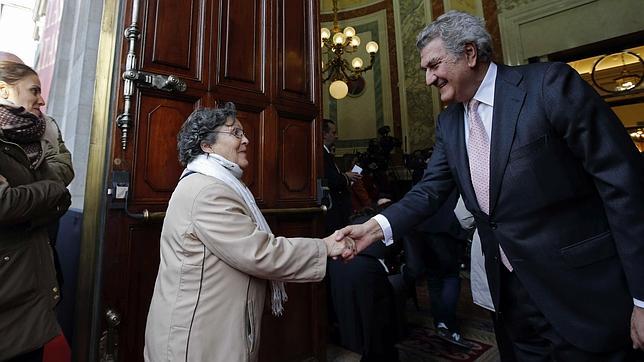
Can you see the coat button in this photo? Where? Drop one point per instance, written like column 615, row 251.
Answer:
column 55, row 290
column 6, row 258
column 493, row 225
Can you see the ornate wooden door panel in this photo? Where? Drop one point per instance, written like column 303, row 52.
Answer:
column 177, row 36
column 295, row 169
column 155, row 147
column 241, row 62
column 261, row 55
column 295, row 52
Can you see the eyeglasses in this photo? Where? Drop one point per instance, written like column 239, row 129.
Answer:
column 236, row 132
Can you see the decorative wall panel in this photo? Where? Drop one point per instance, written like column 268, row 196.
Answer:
column 294, row 51
column 156, row 154
column 295, row 158
column 174, row 44
column 242, row 56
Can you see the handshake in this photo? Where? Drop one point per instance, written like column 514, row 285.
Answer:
column 349, row 241
column 338, row 245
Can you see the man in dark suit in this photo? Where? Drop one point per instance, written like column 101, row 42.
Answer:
column 339, row 183
column 556, row 187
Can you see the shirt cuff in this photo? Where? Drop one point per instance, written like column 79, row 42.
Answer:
column 638, row 303
column 386, row 229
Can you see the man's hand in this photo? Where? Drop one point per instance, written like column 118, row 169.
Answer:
column 335, row 248
column 362, row 234
column 637, row 327
column 353, row 176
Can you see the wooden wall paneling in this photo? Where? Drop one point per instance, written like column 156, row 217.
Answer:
column 305, row 310
column 137, row 262
column 295, row 54
column 296, row 159
column 241, row 60
column 143, row 243
column 253, row 120
column 300, row 315
column 176, row 39
column 156, row 157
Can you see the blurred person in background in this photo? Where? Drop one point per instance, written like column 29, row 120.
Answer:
column 339, row 182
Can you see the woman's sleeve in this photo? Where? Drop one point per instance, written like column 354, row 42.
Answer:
column 58, row 157
column 30, row 202
column 222, row 222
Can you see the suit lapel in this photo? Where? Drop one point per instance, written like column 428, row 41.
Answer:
column 508, row 100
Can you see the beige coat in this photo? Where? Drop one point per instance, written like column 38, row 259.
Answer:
column 209, row 294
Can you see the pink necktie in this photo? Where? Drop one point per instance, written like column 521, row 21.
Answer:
column 478, row 153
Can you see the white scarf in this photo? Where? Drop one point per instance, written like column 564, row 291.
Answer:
column 216, row 166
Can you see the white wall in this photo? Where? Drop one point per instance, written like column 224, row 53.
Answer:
column 72, row 92
column 17, row 28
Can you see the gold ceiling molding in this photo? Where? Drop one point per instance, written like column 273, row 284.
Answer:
column 326, row 6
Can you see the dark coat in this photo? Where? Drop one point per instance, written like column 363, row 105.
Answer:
column 28, row 289
column 566, row 200
column 338, row 214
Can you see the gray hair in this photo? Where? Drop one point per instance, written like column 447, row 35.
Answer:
column 200, row 128
column 456, row 29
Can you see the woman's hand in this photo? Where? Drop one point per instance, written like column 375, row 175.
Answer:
column 336, row 248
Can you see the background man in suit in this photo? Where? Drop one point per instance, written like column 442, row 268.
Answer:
column 339, row 182
column 556, row 187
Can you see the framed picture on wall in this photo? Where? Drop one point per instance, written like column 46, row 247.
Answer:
column 474, row 7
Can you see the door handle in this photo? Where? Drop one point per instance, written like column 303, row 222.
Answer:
column 168, row 83
column 133, row 77
column 109, row 343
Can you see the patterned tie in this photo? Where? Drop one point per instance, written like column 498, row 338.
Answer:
column 478, row 153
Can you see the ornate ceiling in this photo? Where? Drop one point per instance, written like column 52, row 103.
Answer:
column 326, row 6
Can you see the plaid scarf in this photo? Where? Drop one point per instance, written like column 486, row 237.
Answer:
column 25, row 129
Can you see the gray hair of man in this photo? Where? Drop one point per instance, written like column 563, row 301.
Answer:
column 457, row 29
column 200, row 129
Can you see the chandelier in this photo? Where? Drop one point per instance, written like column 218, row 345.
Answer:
column 335, row 43
column 630, row 67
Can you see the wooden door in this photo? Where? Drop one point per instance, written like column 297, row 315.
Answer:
column 263, row 56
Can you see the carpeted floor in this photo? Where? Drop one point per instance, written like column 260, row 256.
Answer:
column 421, row 343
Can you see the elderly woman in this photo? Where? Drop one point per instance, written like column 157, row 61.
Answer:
column 218, row 252
column 28, row 203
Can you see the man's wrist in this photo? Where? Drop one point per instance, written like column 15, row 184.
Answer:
column 384, row 229
column 638, row 303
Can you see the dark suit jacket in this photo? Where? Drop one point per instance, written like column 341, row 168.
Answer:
column 566, row 200
column 338, row 214
column 444, row 221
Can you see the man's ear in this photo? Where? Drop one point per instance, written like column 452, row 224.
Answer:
column 471, row 54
